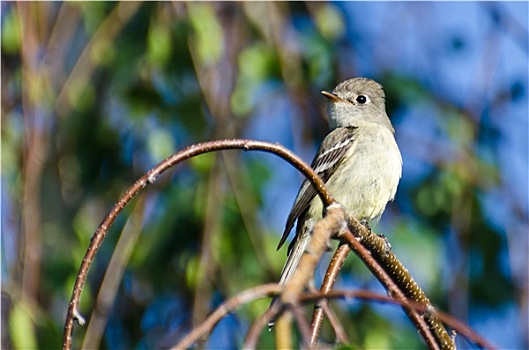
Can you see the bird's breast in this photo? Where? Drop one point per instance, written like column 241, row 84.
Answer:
column 368, row 176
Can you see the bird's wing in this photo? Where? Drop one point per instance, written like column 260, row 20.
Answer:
column 325, row 162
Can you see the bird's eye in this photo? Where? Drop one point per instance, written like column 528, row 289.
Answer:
column 361, row 99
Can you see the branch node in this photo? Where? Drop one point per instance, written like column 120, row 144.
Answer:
column 151, row 178
column 78, row 317
column 430, row 310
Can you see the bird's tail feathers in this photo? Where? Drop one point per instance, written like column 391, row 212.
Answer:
column 292, row 264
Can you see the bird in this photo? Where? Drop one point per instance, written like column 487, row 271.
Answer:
column 358, row 160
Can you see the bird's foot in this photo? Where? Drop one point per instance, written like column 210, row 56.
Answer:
column 365, row 223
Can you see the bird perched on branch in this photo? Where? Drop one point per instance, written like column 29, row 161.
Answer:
column 359, row 161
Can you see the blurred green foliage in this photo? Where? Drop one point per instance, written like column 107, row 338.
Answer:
column 96, row 93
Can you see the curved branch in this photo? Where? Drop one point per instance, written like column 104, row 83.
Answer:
column 149, row 178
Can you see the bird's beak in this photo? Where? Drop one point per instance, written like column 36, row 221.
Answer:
column 332, row 97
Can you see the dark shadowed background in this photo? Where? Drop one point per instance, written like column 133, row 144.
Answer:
column 94, row 94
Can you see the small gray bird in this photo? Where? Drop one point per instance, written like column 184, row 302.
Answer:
column 359, row 161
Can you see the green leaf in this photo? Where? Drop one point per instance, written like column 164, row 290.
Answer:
column 330, row 21
column 21, row 328
column 103, row 51
column 81, row 94
column 160, row 144
column 159, row 44
column 10, row 33
column 208, row 32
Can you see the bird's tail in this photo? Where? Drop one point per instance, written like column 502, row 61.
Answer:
column 294, row 256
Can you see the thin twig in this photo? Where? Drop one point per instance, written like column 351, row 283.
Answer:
column 327, row 285
column 303, row 324
column 240, row 299
column 252, row 336
column 341, row 335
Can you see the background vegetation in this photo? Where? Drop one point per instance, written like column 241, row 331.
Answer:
column 94, row 94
